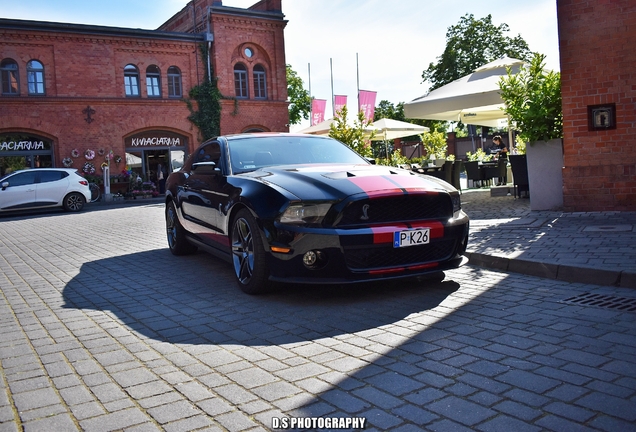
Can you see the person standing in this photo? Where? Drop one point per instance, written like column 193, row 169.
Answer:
column 500, row 150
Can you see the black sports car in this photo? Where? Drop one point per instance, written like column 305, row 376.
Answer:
column 308, row 209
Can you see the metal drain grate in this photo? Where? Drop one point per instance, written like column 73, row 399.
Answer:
column 604, row 301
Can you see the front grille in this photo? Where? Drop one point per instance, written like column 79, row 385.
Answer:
column 403, row 208
column 385, row 256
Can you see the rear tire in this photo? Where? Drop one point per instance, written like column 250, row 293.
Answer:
column 74, row 202
column 177, row 241
column 248, row 255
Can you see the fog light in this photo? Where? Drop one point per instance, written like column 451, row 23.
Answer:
column 310, row 258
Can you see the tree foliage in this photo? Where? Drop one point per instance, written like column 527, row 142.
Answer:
column 470, row 44
column 533, row 101
column 299, row 98
column 434, row 143
column 353, row 136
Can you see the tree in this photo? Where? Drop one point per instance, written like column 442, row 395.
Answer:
column 470, row 44
column 353, row 136
column 533, row 101
column 299, row 99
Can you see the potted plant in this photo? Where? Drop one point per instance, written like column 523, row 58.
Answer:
column 532, row 99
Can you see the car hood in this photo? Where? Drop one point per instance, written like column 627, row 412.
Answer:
column 336, row 182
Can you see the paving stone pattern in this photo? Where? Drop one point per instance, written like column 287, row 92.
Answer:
column 102, row 329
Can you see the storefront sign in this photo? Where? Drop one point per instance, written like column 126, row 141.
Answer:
column 23, row 144
column 156, row 139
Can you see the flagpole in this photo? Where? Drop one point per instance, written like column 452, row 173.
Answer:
column 358, row 81
column 311, row 105
column 333, row 106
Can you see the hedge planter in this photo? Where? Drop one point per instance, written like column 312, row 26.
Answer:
column 545, row 174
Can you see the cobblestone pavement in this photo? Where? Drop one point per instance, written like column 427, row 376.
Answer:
column 589, row 247
column 101, row 328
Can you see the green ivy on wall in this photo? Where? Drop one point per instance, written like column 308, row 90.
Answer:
column 207, row 116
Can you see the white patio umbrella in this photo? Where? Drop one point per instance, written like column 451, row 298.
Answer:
column 474, row 99
column 389, row 129
column 324, row 127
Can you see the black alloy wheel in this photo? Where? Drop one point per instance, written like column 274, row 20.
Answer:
column 248, row 255
column 177, row 241
column 74, row 202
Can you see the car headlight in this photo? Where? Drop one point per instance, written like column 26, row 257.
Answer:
column 457, row 202
column 302, row 214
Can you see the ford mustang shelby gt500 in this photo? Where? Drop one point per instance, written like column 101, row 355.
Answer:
column 308, row 209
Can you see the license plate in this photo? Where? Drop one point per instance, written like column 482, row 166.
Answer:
column 411, row 237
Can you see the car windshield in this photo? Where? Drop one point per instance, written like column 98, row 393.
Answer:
column 250, row 153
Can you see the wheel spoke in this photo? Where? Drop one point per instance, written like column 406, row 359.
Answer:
column 242, row 251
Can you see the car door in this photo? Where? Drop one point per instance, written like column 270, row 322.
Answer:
column 51, row 188
column 204, row 195
column 19, row 191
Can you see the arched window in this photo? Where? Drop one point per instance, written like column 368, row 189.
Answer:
column 240, row 81
column 131, row 81
column 174, row 82
column 153, row 81
column 9, row 77
column 260, row 83
column 35, row 77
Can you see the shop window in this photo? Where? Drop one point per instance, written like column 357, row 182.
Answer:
column 240, row 81
column 174, row 82
column 9, row 77
column 260, row 83
column 153, row 83
column 35, row 77
column 131, row 81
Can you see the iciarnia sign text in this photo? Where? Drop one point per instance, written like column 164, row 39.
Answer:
column 21, row 145
column 156, row 141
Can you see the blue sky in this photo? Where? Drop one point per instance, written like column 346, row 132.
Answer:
column 394, row 40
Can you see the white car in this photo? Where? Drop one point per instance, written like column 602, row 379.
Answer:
column 43, row 188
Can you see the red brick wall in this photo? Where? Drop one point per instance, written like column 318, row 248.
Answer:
column 83, row 70
column 234, row 31
column 598, row 66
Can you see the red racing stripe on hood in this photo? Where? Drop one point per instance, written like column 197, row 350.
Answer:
column 380, row 185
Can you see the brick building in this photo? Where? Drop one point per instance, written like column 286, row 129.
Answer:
column 598, row 76
column 79, row 92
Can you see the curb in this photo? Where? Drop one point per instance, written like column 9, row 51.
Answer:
column 566, row 273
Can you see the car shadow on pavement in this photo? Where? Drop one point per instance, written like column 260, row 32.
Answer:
column 195, row 300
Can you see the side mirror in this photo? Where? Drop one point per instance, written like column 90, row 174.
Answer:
column 371, row 160
column 205, row 168
column 5, row 185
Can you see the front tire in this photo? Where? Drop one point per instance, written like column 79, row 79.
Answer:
column 177, row 241
column 74, row 202
column 248, row 255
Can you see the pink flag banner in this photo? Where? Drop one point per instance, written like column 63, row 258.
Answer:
column 318, row 111
column 339, row 101
column 367, row 104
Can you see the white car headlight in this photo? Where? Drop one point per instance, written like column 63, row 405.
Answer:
column 301, row 214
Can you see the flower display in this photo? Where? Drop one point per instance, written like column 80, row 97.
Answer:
column 75, row 153
column 67, row 162
column 89, row 168
column 101, row 151
column 89, row 154
column 117, row 159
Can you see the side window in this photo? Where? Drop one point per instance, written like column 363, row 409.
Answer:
column 22, row 179
column 174, row 82
column 35, row 77
column 153, row 81
column 131, row 81
column 209, row 153
column 240, row 81
column 50, row 176
column 9, row 77
column 260, row 83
